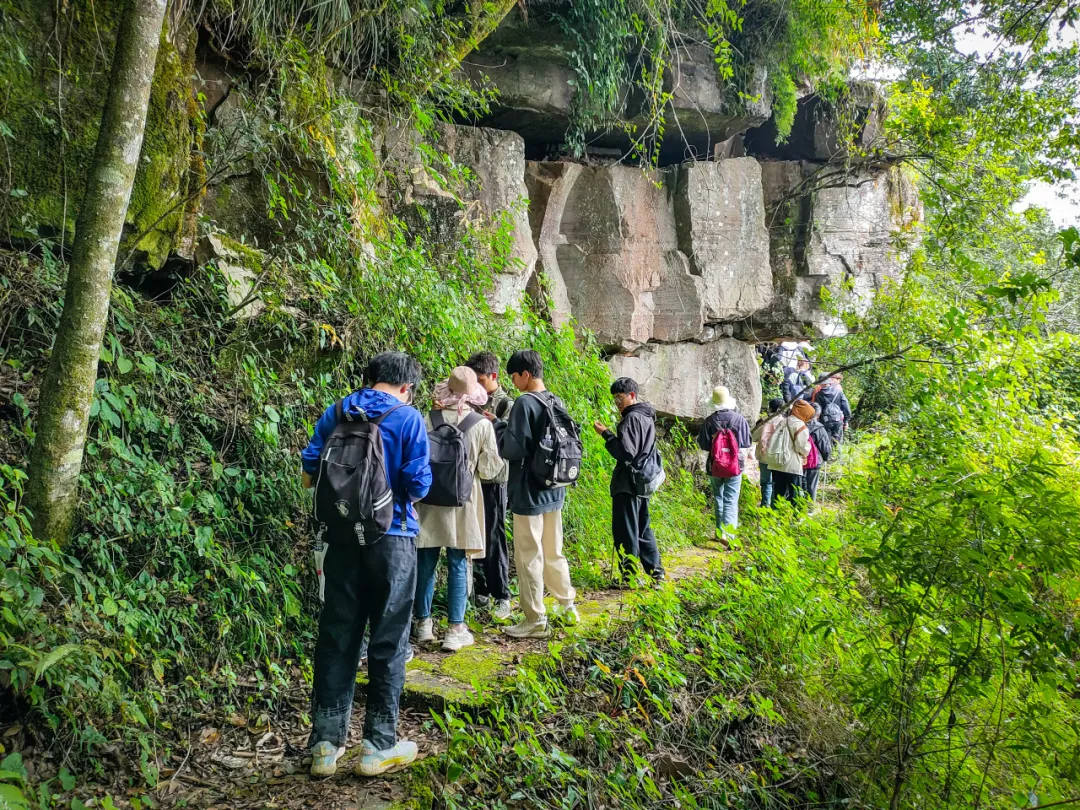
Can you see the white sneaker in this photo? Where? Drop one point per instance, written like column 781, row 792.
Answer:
column 324, row 757
column 502, row 611
column 410, row 654
column 568, row 613
column 456, row 639
column 422, row 631
column 379, row 762
column 527, row 629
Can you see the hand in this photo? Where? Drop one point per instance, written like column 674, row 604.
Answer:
column 600, row 428
column 437, row 404
column 490, row 416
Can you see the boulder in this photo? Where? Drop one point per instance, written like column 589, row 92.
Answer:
column 720, row 218
column 607, row 243
column 831, row 229
column 240, row 266
column 678, row 379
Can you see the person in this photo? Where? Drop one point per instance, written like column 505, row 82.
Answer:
column 370, row 581
column 798, row 381
column 790, row 353
column 458, row 529
column 761, row 435
column 788, row 453
column 835, row 408
column 633, row 442
column 725, row 490
column 491, row 573
column 823, row 444
column 536, row 509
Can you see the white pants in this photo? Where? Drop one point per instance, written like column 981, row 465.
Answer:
column 538, row 554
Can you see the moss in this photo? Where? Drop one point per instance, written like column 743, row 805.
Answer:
column 56, row 75
column 421, row 665
column 479, row 662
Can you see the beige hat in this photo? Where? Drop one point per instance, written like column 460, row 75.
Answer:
column 723, row 399
column 461, row 388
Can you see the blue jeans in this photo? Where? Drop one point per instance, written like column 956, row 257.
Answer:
column 766, row 484
column 726, row 501
column 370, row 586
column 427, row 559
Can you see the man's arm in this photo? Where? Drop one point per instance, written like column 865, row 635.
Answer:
column 626, row 444
column 845, row 406
column 516, row 440
column 415, row 473
column 705, row 435
column 309, row 456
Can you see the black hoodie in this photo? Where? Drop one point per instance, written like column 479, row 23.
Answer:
column 635, row 440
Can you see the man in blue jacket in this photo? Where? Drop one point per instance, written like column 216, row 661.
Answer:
column 372, row 582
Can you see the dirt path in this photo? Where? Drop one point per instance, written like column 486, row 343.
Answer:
column 238, row 762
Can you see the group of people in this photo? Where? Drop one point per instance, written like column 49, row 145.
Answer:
column 392, row 487
column 792, row 444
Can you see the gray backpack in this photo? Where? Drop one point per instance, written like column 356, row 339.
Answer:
column 448, row 449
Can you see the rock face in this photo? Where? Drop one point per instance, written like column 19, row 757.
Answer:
column 678, row 379
column 720, row 216
column 830, row 230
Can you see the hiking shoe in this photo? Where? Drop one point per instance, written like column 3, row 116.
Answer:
column 324, row 757
column 527, row 629
column 422, row 631
column 568, row 613
column 483, row 601
column 502, row 611
column 375, row 762
column 456, row 639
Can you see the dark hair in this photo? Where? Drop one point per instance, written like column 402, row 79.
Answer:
column 526, row 360
column 396, row 368
column 775, row 404
column 483, row 363
column 624, row 385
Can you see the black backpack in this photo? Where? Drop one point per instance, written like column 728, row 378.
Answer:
column 448, row 449
column 351, row 488
column 556, row 462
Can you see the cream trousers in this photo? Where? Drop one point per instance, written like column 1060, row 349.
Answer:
column 538, row 555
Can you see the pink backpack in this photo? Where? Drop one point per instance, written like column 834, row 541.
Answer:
column 813, row 460
column 724, row 460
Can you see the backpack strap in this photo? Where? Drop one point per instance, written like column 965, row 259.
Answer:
column 470, row 419
column 437, row 419
column 339, row 410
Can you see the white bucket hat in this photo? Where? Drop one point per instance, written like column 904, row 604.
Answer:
column 723, row 399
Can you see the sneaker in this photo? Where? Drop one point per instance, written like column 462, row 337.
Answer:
column 422, row 631
column 502, row 612
column 324, row 757
column 483, row 601
column 410, row 654
column 568, row 613
column 456, row 639
column 379, row 762
column 527, row 629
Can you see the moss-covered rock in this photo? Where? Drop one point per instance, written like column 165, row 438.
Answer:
column 55, row 69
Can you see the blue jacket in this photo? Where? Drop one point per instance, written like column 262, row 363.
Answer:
column 405, row 447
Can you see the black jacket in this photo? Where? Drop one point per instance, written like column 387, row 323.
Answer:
column 633, row 442
column 729, row 420
column 517, row 442
column 833, row 395
column 821, row 438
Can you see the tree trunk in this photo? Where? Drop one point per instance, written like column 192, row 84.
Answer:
column 68, row 387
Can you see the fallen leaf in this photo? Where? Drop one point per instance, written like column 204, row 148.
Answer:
column 11, row 732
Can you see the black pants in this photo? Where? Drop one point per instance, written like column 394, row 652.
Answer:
column 491, row 574
column 634, row 536
column 786, row 485
column 810, row 482
column 372, row 584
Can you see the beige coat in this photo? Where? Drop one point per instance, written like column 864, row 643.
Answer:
column 463, row 526
column 800, row 439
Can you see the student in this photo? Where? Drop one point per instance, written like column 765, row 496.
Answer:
column 631, row 446
column 761, row 435
column 823, row 445
column 788, row 450
column 491, row 574
column 458, row 529
column 537, row 510
column 725, row 423
column 835, row 408
column 370, row 579
column 798, row 382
